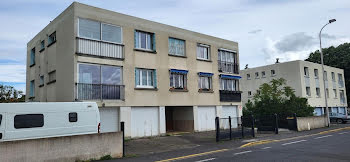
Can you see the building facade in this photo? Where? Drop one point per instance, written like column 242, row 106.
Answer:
column 305, row 78
column 154, row 77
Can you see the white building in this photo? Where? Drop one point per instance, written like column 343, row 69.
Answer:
column 305, row 78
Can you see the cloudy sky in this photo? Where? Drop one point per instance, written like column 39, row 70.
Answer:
column 264, row 29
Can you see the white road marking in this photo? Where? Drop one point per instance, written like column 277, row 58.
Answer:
column 206, row 160
column 293, row 142
column 266, row 148
column 343, row 132
column 323, row 137
column 244, row 152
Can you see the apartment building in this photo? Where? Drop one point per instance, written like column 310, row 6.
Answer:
column 154, row 77
column 305, row 78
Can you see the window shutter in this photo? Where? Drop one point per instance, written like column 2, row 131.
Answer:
column 136, row 42
column 155, row 78
column 137, row 77
column 154, row 42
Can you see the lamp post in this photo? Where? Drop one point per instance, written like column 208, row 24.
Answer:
column 324, row 79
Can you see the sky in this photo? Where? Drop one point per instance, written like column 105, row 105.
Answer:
column 264, row 29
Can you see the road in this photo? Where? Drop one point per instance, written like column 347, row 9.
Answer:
column 331, row 146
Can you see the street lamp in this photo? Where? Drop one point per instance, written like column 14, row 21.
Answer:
column 324, row 79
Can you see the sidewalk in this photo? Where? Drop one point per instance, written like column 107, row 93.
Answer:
column 198, row 141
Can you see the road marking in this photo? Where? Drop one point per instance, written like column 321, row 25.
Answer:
column 193, row 155
column 343, row 132
column 323, row 137
column 244, row 152
column 266, row 148
column 293, row 142
column 206, row 160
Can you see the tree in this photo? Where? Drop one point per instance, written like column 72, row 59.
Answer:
column 336, row 57
column 276, row 97
column 10, row 94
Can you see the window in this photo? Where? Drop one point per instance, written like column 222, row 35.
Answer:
column 52, row 77
column 73, row 117
column 32, row 57
column 228, row 84
column 340, row 80
column 178, row 79
column 28, row 121
column 335, row 93
column 203, row 52
column 327, row 92
column 273, row 72
column 42, row 45
column 318, row 93
column 316, row 73
column 100, row 74
column 333, row 76
column 31, row 88
column 41, row 81
column 100, row 31
column 249, row 93
column 205, row 81
column 256, row 74
column 0, row 119
column 258, row 92
column 306, row 71
column 263, row 74
column 325, row 75
column 176, row 47
column 145, row 78
column 308, row 92
column 248, row 76
column 52, row 39
column 227, row 61
column 144, row 40
column 342, row 96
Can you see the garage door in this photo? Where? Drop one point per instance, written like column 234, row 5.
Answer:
column 109, row 119
column 230, row 111
column 144, row 121
column 206, row 118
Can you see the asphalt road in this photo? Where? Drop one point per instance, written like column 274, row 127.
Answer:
column 327, row 147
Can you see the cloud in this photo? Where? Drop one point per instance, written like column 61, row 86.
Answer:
column 12, row 73
column 295, row 42
column 255, row 31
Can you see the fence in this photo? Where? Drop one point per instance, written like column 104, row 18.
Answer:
column 99, row 91
column 234, row 127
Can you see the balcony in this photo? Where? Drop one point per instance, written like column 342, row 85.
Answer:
column 228, row 67
column 230, row 96
column 99, row 48
column 99, row 92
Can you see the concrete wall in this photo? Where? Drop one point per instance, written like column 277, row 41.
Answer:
column 313, row 122
column 71, row 148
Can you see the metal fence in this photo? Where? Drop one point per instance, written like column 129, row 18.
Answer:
column 99, row 92
column 234, row 127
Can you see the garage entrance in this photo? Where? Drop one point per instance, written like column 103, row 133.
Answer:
column 179, row 118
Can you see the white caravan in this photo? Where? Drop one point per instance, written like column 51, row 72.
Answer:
column 19, row 121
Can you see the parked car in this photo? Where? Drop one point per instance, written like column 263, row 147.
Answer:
column 339, row 118
column 19, row 121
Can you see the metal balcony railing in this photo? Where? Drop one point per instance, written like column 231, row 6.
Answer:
column 99, row 92
column 228, row 67
column 99, row 48
column 230, row 96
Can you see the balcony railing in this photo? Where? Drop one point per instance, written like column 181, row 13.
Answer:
column 230, row 96
column 99, row 48
column 99, row 92
column 228, row 67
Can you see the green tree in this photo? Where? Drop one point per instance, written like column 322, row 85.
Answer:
column 336, row 57
column 10, row 94
column 276, row 97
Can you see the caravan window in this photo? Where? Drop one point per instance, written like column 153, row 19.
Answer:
column 29, row 121
column 73, row 117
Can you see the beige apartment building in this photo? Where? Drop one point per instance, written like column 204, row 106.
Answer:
column 305, row 78
column 154, row 77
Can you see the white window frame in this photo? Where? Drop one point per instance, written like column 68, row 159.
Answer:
column 306, row 71
column 200, row 45
column 147, row 43
column 224, row 84
column 141, row 71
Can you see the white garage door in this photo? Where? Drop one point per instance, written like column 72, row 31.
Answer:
column 230, row 111
column 109, row 119
column 206, row 118
column 144, row 121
